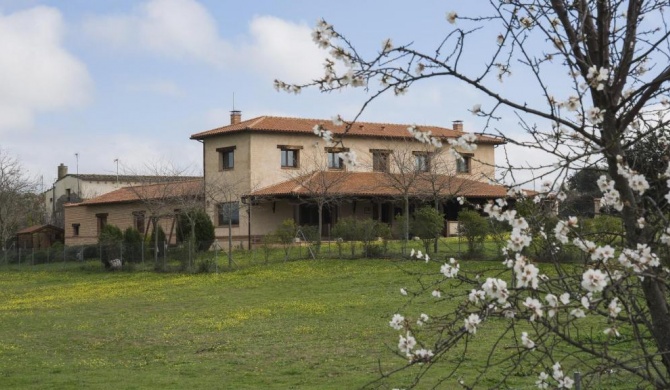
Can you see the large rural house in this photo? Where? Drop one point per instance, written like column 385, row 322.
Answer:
column 261, row 171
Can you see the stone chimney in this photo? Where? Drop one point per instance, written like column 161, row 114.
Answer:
column 235, row 117
column 458, row 125
column 62, row 171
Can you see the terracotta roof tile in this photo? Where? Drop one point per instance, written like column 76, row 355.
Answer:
column 37, row 228
column 305, row 126
column 378, row 184
column 149, row 191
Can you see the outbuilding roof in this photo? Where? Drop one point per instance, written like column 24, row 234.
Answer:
column 164, row 190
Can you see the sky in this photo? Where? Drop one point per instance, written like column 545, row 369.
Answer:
column 89, row 83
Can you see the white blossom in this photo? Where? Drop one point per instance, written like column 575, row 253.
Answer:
column 397, row 322
column 496, row 288
column 614, row 308
column 406, row 343
column 423, row 318
column 422, row 355
column 337, row 120
column 594, row 280
column 476, row 109
column 577, row 313
column 451, row 17
column 472, row 322
column 476, row 296
column 437, row 293
column 612, row 332
column 450, row 269
column 349, row 158
column 526, row 341
column 565, row 298
column 534, row 306
column 542, row 381
column 403, row 291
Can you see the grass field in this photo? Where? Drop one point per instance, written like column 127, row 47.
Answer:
column 303, row 324
column 300, row 324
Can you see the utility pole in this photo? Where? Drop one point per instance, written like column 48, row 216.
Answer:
column 76, row 155
column 116, row 160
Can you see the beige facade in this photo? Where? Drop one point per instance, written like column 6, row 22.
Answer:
column 257, row 164
column 84, row 221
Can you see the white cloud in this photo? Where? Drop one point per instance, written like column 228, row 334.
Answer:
column 281, row 49
column 184, row 29
column 175, row 28
column 36, row 73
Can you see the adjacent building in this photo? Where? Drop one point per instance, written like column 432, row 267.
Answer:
column 141, row 207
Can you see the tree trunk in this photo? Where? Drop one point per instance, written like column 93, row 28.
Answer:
column 319, row 230
column 230, row 243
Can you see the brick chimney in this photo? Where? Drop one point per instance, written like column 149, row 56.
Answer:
column 62, row 171
column 235, row 117
column 458, row 125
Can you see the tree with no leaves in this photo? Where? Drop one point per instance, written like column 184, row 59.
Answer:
column 596, row 84
column 16, row 198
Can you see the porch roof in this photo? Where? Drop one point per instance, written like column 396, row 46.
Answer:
column 371, row 184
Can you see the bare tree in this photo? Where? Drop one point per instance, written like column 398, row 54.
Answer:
column 227, row 193
column 596, row 75
column 320, row 180
column 16, row 192
column 165, row 191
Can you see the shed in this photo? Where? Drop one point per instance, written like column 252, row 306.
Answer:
column 39, row 236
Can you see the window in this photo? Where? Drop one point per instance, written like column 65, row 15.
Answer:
column 102, row 221
column 421, row 161
column 138, row 221
column 334, row 160
column 68, row 194
column 227, row 158
column 290, row 157
column 380, row 160
column 229, row 213
column 75, row 229
column 463, row 164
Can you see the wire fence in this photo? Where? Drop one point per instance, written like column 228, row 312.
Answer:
column 217, row 256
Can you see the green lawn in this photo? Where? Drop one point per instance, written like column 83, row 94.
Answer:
column 306, row 324
column 303, row 324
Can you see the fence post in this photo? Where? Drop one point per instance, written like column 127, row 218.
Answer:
column 32, row 256
column 578, row 380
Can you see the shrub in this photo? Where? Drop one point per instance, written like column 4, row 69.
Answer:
column 110, row 240
column 346, row 230
column 132, row 245
column 204, row 229
column 427, row 224
column 603, row 229
column 474, row 228
column 285, row 235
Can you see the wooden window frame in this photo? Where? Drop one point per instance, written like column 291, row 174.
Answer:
column 378, row 164
column 295, row 149
column 466, row 162
column 224, row 152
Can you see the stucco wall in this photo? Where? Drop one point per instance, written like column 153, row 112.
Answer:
column 258, row 165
